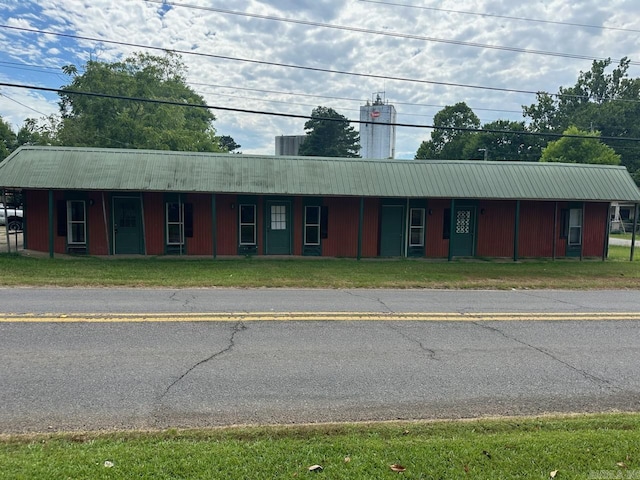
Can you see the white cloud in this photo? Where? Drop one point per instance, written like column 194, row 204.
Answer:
column 216, row 33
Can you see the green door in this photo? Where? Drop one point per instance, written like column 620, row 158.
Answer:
column 127, row 225
column 464, row 232
column 278, row 228
column 392, row 231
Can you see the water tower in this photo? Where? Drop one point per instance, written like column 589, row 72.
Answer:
column 377, row 129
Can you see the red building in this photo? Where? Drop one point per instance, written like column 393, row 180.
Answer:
column 112, row 202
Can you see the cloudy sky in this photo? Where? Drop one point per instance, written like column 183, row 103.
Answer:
column 290, row 56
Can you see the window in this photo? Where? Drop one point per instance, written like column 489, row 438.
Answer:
column 575, row 227
column 76, row 222
column 278, row 217
column 312, row 225
column 247, row 224
column 175, row 223
column 416, row 227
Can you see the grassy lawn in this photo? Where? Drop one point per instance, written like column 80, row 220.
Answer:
column 174, row 272
column 581, row 447
column 624, row 236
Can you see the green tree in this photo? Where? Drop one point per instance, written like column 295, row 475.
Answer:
column 329, row 134
column 572, row 148
column 450, row 135
column 503, row 140
column 8, row 140
column 228, row 144
column 121, row 123
column 599, row 100
column 43, row 132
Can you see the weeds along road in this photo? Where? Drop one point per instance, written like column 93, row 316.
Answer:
column 102, row 359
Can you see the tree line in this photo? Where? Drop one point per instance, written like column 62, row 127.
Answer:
column 116, row 119
column 597, row 120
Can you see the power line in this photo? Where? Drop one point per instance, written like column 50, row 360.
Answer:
column 56, row 70
column 305, row 117
column 329, row 97
column 264, row 62
column 506, row 17
column 383, row 33
column 21, row 104
column 299, row 67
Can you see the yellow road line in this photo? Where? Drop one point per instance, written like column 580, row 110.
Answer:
column 310, row 316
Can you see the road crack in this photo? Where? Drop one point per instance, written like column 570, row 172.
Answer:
column 185, row 302
column 238, row 327
column 384, row 305
column 431, row 353
column 603, row 382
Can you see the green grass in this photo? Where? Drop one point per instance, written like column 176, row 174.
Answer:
column 177, row 272
column 625, row 236
column 577, row 447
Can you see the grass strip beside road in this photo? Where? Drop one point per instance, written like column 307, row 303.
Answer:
column 172, row 272
column 579, row 447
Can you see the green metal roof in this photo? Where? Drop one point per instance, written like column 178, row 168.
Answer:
column 75, row 168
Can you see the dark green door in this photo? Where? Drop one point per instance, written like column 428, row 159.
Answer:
column 278, row 228
column 392, row 231
column 464, row 232
column 127, row 225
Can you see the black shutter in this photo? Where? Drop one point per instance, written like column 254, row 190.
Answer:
column 446, row 224
column 62, row 218
column 564, row 223
column 188, row 220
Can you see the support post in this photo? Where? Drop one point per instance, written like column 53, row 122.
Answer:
column 51, row 229
column 144, row 227
column 451, row 228
column 555, row 231
column 516, row 233
column 582, row 231
column 636, row 212
column 360, row 227
column 106, row 224
column 6, row 220
column 214, row 225
column 607, row 232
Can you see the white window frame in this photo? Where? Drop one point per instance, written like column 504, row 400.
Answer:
column 312, row 225
column 575, row 227
column 278, row 215
column 420, row 227
column 71, row 223
column 244, row 224
column 179, row 223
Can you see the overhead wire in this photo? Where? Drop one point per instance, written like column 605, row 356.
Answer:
column 293, row 66
column 305, row 117
column 506, row 17
column 382, row 33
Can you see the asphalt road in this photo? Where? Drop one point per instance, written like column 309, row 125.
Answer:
column 102, row 375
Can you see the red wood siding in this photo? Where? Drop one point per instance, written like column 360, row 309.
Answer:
column 227, row 224
column 536, row 229
column 342, row 238
column 154, row 222
column 594, row 227
column 496, row 227
column 96, row 232
column 36, row 219
column 370, row 228
column 436, row 246
column 202, row 241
